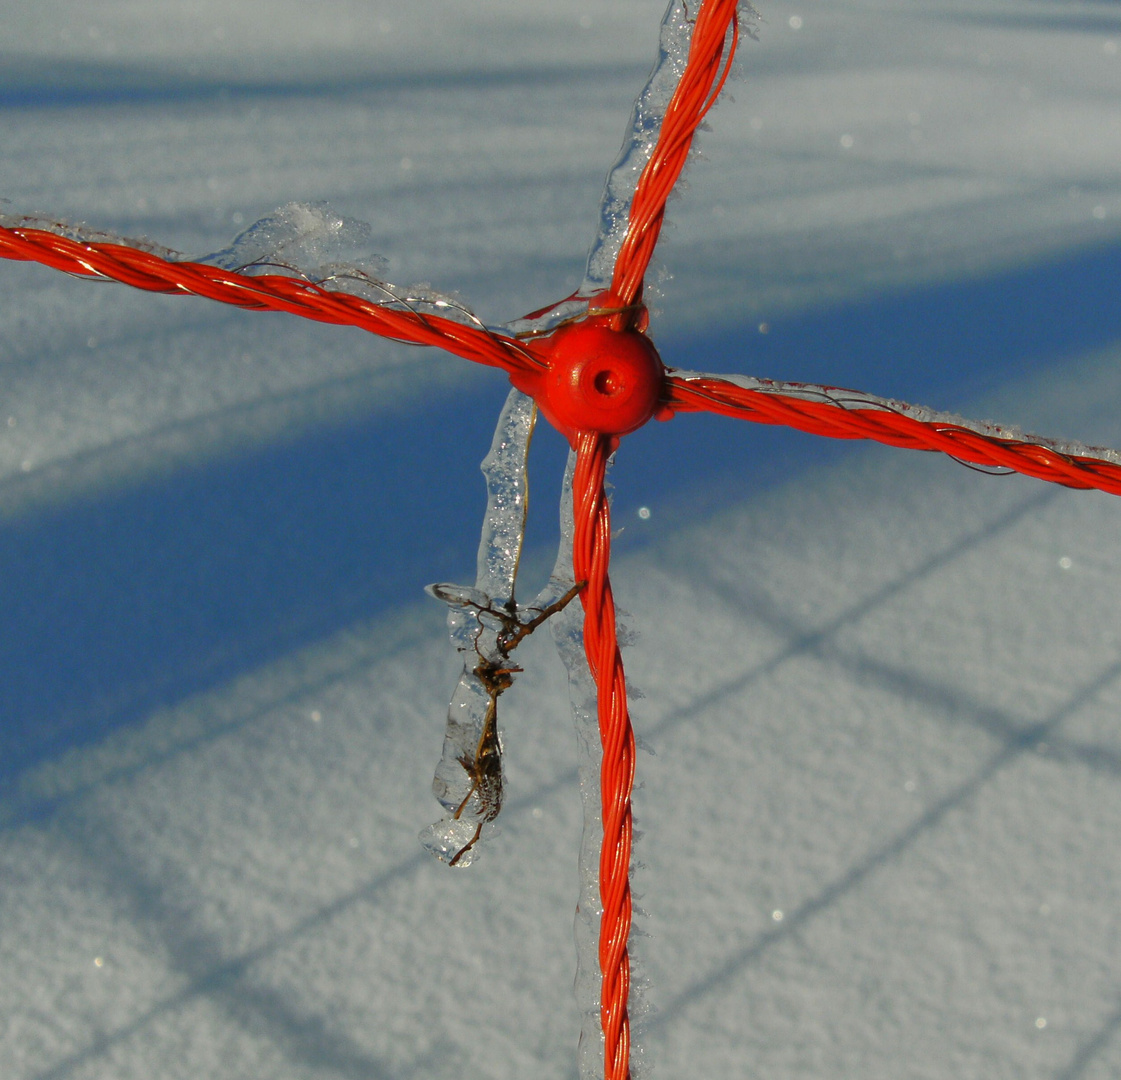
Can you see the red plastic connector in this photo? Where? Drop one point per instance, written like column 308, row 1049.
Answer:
column 598, row 379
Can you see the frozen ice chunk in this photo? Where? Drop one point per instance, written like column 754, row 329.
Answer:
column 306, row 238
column 315, row 242
column 469, row 779
column 486, row 624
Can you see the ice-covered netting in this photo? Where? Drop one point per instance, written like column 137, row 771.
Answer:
column 686, row 79
column 848, row 414
column 250, row 274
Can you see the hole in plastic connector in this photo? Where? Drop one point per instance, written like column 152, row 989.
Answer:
column 606, row 383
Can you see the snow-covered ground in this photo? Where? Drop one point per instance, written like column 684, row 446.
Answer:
column 882, row 820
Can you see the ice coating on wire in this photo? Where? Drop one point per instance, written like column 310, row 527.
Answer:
column 568, row 634
column 660, row 102
column 305, row 242
column 84, row 234
column 638, row 145
column 299, row 237
column 303, row 237
column 856, row 399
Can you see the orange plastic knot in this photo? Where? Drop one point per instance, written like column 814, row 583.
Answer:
column 598, row 379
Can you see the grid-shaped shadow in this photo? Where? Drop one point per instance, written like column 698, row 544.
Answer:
column 228, row 981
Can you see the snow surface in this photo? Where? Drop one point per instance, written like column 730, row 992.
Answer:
column 882, row 824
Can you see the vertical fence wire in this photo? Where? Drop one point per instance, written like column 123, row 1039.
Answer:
column 591, row 555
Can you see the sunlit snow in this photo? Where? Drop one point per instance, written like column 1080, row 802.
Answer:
column 881, row 822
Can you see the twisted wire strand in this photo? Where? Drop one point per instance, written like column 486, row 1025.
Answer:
column 851, row 416
column 266, row 292
column 711, row 50
column 591, row 554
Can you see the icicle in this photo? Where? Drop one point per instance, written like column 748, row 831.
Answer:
column 468, row 781
column 486, row 625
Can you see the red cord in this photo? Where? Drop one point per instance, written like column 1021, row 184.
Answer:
column 696, row 93
column 591, row 553
column 838, row 421
column 267, row 292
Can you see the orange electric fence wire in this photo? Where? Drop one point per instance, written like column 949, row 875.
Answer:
column 879, row 422
column 624, row 378
column 267, row 292
column 591, row 554
column 695, row 94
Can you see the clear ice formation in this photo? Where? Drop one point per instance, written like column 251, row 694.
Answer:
column 486, row 625
column 303, row 237
column 675, row 38
column 638, row 145
column 313, row 241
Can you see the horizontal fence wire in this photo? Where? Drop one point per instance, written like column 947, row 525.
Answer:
column 392, row 318
column 846, row 419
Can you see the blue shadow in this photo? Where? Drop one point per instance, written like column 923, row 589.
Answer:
column 138, row 598
column 35, row 84
column 115, row 607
